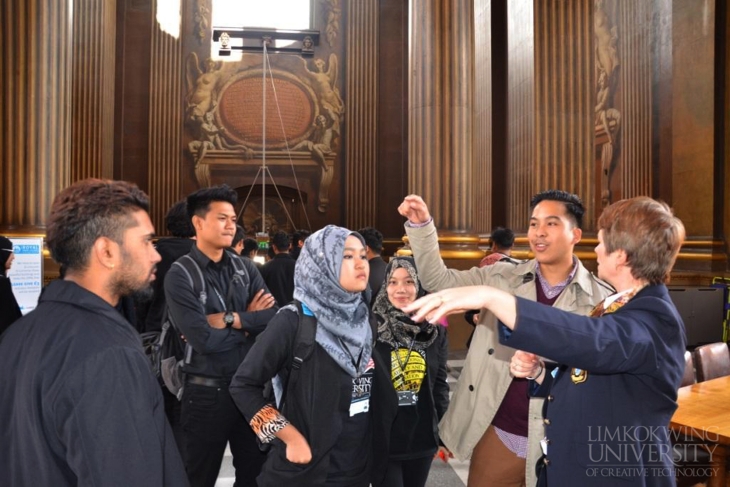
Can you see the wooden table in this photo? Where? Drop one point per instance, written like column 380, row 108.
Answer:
column 704, row 414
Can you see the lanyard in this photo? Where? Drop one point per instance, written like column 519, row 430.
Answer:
column 352, row 359
column 402, row 365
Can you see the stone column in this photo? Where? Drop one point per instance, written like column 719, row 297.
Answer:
column 92, row 132
column 35, row 110
column 440, row 117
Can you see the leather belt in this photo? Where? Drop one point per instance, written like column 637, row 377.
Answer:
column 199, row 380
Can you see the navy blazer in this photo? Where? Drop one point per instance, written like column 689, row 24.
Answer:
column 611, row 428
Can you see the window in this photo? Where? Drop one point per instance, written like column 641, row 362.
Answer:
column 269, row 14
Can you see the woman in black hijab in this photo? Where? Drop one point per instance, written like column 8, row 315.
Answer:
column 9, row 309
column 417, row 395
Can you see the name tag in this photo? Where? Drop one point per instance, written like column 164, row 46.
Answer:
column 360, row 406
column 543, row 446
column 407, row 398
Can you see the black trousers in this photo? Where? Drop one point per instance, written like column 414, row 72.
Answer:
column 209, row 419
column 407, row 473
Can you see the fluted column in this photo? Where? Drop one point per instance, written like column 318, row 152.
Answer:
column 92, row 133
column 165, row 117
column 361, row 114
column 482, row 140
column 440, row 110
column 35, row 115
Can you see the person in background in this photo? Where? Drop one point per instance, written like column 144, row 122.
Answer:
column 80, row 404
column 417, row 394
column 9, row 309
column 298, row 239
column 503, row 239
column 278, row 273
column 321, row 434
column 238, row 240
column 170, row 249
column 614, row 389
column 491, row 417
column 374, row 241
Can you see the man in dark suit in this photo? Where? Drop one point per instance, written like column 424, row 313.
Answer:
column 374, row 247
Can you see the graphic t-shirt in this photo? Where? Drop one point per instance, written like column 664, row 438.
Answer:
column 412, row 434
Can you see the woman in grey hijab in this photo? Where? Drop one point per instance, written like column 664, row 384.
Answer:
column 416, row 395
column 319, row 426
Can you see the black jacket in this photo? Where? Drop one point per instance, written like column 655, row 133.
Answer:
column 9, row 309
column 377, row 276
column 314, row 405
column 80, row 405
column 386, row 408
column 170, row 249
column 217, row 353
column 278, row 273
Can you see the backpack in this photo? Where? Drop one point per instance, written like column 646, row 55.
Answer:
column 166, row 349
column 304, row 343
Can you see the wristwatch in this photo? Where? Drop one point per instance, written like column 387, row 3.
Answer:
column 229, row 319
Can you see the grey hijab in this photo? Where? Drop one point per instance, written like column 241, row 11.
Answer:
column 343, row 318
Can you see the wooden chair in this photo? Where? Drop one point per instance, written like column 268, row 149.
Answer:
column 713, row 361
column 689, row 370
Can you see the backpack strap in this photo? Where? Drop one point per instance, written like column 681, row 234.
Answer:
column 190, row 268
column 304, row 343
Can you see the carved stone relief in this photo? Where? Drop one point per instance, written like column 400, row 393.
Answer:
column 608, row 117
column 304, row 111
column 333, row 11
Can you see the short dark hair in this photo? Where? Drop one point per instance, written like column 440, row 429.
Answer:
column 281, row 241
column 504, row 238
column 87, row 210
column 240, row 234
column 373, row 239
column 249, row 245
column 198, row 203
column 573, row 205
column 300, row 235
column 178, row 222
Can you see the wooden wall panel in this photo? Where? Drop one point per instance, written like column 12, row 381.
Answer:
column 481, row 190
column 634, row 99
column 440, row 110
column 92, row 133
column 35, row 115
column 521, row 162
column 564, row 110
column 361, row 92
column 165, row 123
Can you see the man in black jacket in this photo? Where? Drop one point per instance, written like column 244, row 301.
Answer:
column 80, row 405
column 279, row 271
column 374, row 247
column 220, row 326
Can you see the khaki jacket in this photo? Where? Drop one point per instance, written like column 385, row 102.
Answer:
column 486, row 377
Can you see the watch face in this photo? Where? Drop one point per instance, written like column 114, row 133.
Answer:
column 228, row 318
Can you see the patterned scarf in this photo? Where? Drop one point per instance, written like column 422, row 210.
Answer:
column 614, row 304
column 343, row 318
column 395, row 327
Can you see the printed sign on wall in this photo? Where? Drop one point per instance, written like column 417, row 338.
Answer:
column 26, row 273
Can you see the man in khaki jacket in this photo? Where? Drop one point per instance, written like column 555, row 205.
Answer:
column 491, row 419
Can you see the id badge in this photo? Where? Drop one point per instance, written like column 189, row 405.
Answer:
column 407, row 398
column 361, row 406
